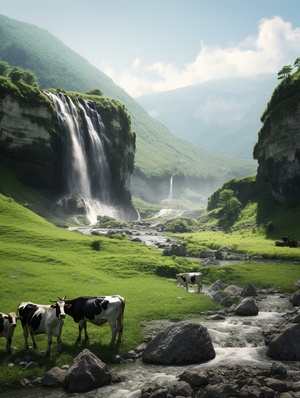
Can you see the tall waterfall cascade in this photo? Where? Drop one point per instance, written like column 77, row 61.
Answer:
column 85, row 157
column 171, row 189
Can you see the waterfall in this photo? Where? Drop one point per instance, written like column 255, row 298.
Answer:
column 171, row 189
column 85, row 164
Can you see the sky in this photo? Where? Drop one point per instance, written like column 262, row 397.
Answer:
column 149, row 46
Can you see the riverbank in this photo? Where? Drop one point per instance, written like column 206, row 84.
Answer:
column 241, row 361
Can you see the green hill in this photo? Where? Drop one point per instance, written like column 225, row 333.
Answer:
column 158, row 150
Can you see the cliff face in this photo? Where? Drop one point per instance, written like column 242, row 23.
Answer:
column 32, row 143
column 278, row 146
column 26, row 142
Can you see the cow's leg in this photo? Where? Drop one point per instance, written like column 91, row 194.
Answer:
column 120, row 326
column 8, row 345
column 113, row 327
column 82, row 325
column 33, row 339
column 49, row 335
column 59, row 343
column 187, row 287
column 25, row 334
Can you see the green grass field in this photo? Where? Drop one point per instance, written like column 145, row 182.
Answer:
column 40, row 262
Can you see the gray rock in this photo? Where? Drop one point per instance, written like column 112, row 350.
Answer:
column 195, row 377
column 232, row 290
column 183, row 389
column 86, row 373
column 285, row 346
column 54, row 378
column 209, row 261
column 181, row 343
column 216, row 286
column 295, row 299
column 175, row 250
column 247, row 307
column 249, row 291
column 207, row 254
column 31, row 365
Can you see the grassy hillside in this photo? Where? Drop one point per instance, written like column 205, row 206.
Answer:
column 41, row 262
column 57, row 66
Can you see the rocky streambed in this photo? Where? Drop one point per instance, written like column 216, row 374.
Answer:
column 236, row 342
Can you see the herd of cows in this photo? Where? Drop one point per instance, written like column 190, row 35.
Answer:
column 49, row 319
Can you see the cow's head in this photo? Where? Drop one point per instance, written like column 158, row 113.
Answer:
column 12, row 319
column 179, row 278
column 59, row 306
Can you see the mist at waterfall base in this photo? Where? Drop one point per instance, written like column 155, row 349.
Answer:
column 237, row 340
column 86, row 167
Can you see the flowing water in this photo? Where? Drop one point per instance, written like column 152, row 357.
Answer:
column 86, row 168
column 237, row 340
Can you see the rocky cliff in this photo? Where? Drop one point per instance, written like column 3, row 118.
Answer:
column 278, row 146
column 32, row 143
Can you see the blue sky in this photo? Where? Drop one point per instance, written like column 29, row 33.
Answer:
column 156, row 45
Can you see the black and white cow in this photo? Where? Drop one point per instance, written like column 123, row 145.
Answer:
column 190, row 278
column 8, row 323
column 98, row 310
column 43, row 319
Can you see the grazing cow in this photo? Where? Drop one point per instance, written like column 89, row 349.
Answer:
column 39, row 319
column 98, row 310
column 8, row 323
column 192, row 278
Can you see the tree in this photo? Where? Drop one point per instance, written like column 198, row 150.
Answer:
column 297, row 64
column 285, row 72
column 17, row 75
column 96, row 92
column 4, row 68
column 229, row 206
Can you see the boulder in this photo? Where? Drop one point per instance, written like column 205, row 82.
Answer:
column 295, row 299
column 179, row 344
column 232, row 290
column 175, row 250
column 222, row 252
column 286, row 345
column 86, row 373
column 247, row 307
column 207, row 254
column 54, row 378
column 209, row 261
column 216, row 286
column 249, row 291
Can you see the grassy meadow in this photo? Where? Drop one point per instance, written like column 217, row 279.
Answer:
column 40, row 262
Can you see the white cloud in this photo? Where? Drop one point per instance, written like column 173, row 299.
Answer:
column 276, row 44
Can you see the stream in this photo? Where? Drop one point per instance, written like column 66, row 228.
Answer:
column 237, row 341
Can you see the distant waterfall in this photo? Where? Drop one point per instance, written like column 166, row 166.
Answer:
column 171, row 189
column 85, row 162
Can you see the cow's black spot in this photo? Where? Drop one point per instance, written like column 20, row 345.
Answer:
column 35, row 321
column 105, row 304
column 193, row 278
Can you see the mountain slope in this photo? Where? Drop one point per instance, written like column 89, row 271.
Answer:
column 55, row 65
column 221, row 116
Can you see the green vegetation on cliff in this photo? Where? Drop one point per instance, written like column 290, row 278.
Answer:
column 285, row 99
column 158, row 152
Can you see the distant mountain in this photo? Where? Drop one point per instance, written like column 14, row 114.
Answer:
column 158, row 151
column 221, row 116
